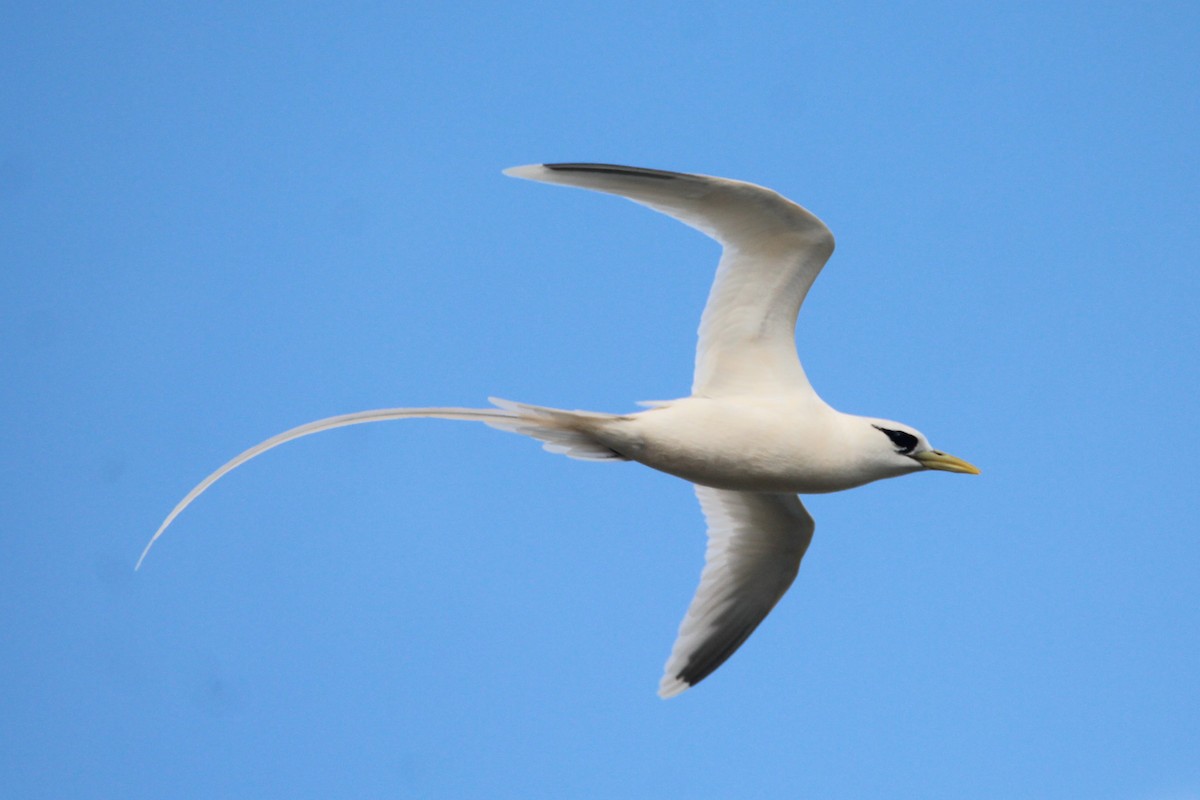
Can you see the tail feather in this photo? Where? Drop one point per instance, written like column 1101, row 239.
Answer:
column 564, row 432
column 560, row 432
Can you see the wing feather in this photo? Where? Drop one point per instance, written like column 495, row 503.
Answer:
column 755, row 544
column 773, row 250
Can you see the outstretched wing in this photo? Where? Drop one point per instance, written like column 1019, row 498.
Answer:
column 755, row 543
column 773, row 251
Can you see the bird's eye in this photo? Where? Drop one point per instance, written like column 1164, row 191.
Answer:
column 905, row 442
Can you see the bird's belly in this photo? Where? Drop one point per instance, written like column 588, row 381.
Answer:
column 751, row 470
column 757, row 450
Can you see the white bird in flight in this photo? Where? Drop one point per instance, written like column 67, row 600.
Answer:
column 751, row 436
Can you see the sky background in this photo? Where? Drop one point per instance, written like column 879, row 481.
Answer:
column 219, row 221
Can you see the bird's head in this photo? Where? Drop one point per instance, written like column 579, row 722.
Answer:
column 901, row 449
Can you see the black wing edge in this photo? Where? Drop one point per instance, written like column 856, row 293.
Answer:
column 617, row 169
column 704, row 662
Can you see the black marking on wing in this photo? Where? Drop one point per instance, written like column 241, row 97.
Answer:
column 617, row 169
column 715, row 652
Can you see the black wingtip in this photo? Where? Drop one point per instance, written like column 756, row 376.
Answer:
column 704, row 662
column 616, row 169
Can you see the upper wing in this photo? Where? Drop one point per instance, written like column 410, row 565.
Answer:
column 773, row 250
column 755, row 543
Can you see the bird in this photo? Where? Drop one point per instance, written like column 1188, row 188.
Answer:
column 751, row 437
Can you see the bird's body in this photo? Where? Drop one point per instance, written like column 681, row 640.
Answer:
column 751, row 436
column 793, row 443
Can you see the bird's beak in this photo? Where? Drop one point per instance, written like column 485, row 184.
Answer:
column 935, row 459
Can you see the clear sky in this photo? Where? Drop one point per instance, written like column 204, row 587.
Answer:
column 220, row 220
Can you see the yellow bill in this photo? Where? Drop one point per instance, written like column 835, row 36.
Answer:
column 936, row 459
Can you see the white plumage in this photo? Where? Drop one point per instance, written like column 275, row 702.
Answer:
column 752, row 435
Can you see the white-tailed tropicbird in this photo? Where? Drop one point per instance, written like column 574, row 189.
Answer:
column 752, row 435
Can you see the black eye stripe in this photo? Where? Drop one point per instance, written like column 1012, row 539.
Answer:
column 905, row 442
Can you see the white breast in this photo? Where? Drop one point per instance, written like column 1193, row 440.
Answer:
column 774, row 444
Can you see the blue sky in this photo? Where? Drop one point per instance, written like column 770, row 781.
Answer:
column 220, row 221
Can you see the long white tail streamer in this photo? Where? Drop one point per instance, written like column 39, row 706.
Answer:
column 556, row 428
